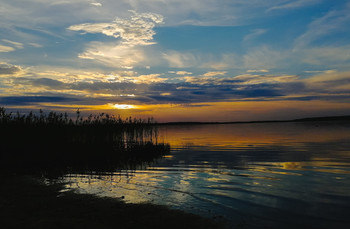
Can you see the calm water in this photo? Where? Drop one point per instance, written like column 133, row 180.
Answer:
column 280, row 175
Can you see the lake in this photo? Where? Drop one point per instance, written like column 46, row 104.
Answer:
column 259, row 175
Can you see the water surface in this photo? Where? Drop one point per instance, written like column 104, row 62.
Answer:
column 266, row 175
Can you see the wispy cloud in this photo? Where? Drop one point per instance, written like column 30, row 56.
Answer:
column 330, row 81
column 293, row 4
column 334, row 21
column 265, row 79
column 36, row 45
column 96, row 4
column 177, row 59
column 320, row 71
column 257, row 70
column 264, row 57
column 254, row 34
column 4, row 48
column 211, row 74
column 335, row 57
column 14, row 43
column 114, row 54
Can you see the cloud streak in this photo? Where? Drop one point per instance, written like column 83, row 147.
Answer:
column 334, row 21
column 294, row 5
column 4, row 48
column 254, row 34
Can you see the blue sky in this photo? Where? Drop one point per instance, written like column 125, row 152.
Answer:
column 177, row 60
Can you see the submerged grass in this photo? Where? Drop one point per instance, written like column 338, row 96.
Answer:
column 53, row 144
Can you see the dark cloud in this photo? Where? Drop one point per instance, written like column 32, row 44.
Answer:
column 99, row 86
column 194, row 92
column 7, row 69
column 28, row 100
column 339, row 98
column 50, row 83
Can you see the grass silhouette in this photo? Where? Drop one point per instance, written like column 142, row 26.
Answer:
column 54, row 144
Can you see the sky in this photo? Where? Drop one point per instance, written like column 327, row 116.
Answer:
column 177, row 60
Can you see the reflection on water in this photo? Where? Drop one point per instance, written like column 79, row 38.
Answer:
column 280, row 175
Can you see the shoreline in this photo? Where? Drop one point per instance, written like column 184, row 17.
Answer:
column 311, row 119
column 26, row 202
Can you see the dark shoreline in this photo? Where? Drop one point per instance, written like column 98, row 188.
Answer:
column 26, row 202
column 311, row 119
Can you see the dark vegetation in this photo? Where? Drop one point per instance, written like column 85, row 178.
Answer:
column 54, row 144
column 43, row 147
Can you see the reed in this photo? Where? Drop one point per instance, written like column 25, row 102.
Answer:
column 54, row 143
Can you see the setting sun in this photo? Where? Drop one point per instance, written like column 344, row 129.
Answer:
column 124, row 106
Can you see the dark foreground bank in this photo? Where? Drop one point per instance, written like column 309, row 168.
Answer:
column 26, row 202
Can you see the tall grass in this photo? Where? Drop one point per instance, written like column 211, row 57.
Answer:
column 54, row 143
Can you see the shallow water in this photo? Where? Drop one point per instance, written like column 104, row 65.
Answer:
column 266, row 175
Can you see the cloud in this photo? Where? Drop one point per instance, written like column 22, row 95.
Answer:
column 114, row 54
column 254, row 33
column 330, row 81
column 8, row 69
column 148, row 79
column 225, row 61
column 133, row 34
column 261, row 57
column 265, row 79
column 36, row 13
column 145, row 89
column 138, row 30
column 130, row 87
column 96, row 4
column 28, row 100
column 264, row 57
column 36, row 45
column 246, row 79
column 183, row 73
column 4, row 48
column 207, row 12
column 177, row 59
column 323, row 71
column 210, row 74
column 335, row 57
column 14, row 43
column 334, row 21
column 293, row 4
column 46, row 82
column 259, row 70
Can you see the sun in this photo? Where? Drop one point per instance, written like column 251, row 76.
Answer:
column 124, row 106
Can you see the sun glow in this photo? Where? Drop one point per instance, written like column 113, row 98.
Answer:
column 124, row 106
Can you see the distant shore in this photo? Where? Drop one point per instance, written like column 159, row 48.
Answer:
column 311, row 119
column 26, row 202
